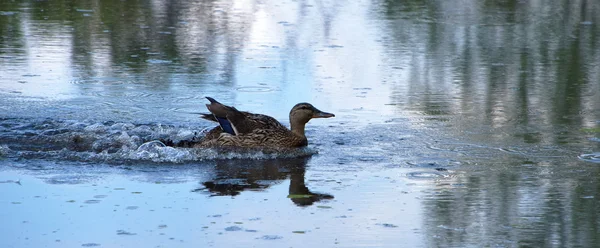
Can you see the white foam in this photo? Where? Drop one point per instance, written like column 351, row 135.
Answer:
column 4, row 150
column 156, row 151
column 122, row 141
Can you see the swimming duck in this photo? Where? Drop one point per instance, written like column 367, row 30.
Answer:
column 248, row 130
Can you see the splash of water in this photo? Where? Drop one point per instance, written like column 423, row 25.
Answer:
column 115, row 142
column 591, row 157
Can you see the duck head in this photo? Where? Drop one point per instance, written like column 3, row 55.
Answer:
column 301, row 113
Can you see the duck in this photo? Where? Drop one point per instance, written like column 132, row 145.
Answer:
column 241, row 129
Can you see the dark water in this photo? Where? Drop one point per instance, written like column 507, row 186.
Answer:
column 458, row 123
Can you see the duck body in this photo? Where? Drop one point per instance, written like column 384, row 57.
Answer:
column 248, row 130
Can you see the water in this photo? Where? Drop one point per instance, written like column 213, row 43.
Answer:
column 458, row 124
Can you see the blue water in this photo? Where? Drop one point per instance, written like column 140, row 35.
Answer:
column 458, row 124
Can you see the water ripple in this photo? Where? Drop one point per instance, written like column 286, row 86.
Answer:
column 255, row 89
column 426, row 175
column 591, row 157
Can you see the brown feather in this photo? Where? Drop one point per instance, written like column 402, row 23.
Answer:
column 257, row 130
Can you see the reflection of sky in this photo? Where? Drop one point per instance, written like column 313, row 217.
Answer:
column 37, row 214
column 277, row 56
column 292, row 56
column 46, row 69
column 347, row 58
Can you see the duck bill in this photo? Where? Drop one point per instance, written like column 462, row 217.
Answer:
column 322, row 114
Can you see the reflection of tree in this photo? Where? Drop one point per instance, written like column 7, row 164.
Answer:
column 11, row 34
column 234, row 176
column 156, row 42
column 504, row 209
column 529, row 72
column 140, row 37
column 498, row 62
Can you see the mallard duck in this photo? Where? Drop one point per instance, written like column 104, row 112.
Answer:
column 247, row 130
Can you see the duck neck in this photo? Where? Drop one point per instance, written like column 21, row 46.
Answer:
column 298, row 128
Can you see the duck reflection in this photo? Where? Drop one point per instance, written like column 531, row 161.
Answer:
column 234, row 176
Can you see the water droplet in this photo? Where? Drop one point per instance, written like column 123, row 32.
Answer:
column 123, row 232
column 233, row 228
column 387, row 225
column 90, row 245
column 270, row 237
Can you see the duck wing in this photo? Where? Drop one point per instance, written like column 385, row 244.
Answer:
column 237, row 122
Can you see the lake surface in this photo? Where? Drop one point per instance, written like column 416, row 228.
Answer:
column 458, row 123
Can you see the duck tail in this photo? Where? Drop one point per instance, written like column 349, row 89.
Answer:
column 206, row 116
column 212, row 100
column 209, row 117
